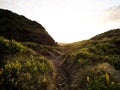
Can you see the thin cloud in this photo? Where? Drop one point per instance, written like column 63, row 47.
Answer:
column 113, row 14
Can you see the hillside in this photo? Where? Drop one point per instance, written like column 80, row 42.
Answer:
column 108, row 35
column 22, row 68
column 94, row 64
column 24, row 46
column 19, row 28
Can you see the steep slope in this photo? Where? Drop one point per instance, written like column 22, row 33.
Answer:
column 19, row 28
column 24, row 46
column 94, row 64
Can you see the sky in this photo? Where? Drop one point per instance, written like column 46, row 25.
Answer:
column 69, row 20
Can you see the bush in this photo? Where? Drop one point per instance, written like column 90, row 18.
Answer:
column 26, row 74
column 10, row 48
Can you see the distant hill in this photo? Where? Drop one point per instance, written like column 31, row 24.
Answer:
column 19, row 28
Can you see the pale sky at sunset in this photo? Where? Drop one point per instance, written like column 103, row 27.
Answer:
column 69, row 20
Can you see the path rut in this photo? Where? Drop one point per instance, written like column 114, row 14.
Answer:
column 62, row 78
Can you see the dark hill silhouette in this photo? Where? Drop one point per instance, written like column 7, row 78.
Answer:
column 19, row 28
column 107, row 35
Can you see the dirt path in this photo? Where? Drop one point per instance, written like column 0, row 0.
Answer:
column 62, row 78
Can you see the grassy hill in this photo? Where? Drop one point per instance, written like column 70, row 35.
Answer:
column 19, row 28
column 94, row 64
column 22, row 68
column 24, row 46
column 108, row 35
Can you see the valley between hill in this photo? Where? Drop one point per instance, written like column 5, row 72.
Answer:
column 30, row 59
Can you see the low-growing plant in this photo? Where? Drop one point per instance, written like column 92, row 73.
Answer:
column 26, row 74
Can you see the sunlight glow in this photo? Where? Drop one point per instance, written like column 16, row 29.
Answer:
column 69, row 20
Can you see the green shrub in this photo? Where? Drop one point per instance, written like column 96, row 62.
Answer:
column 10, row 48
column 101, row 83
column 26, row 74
